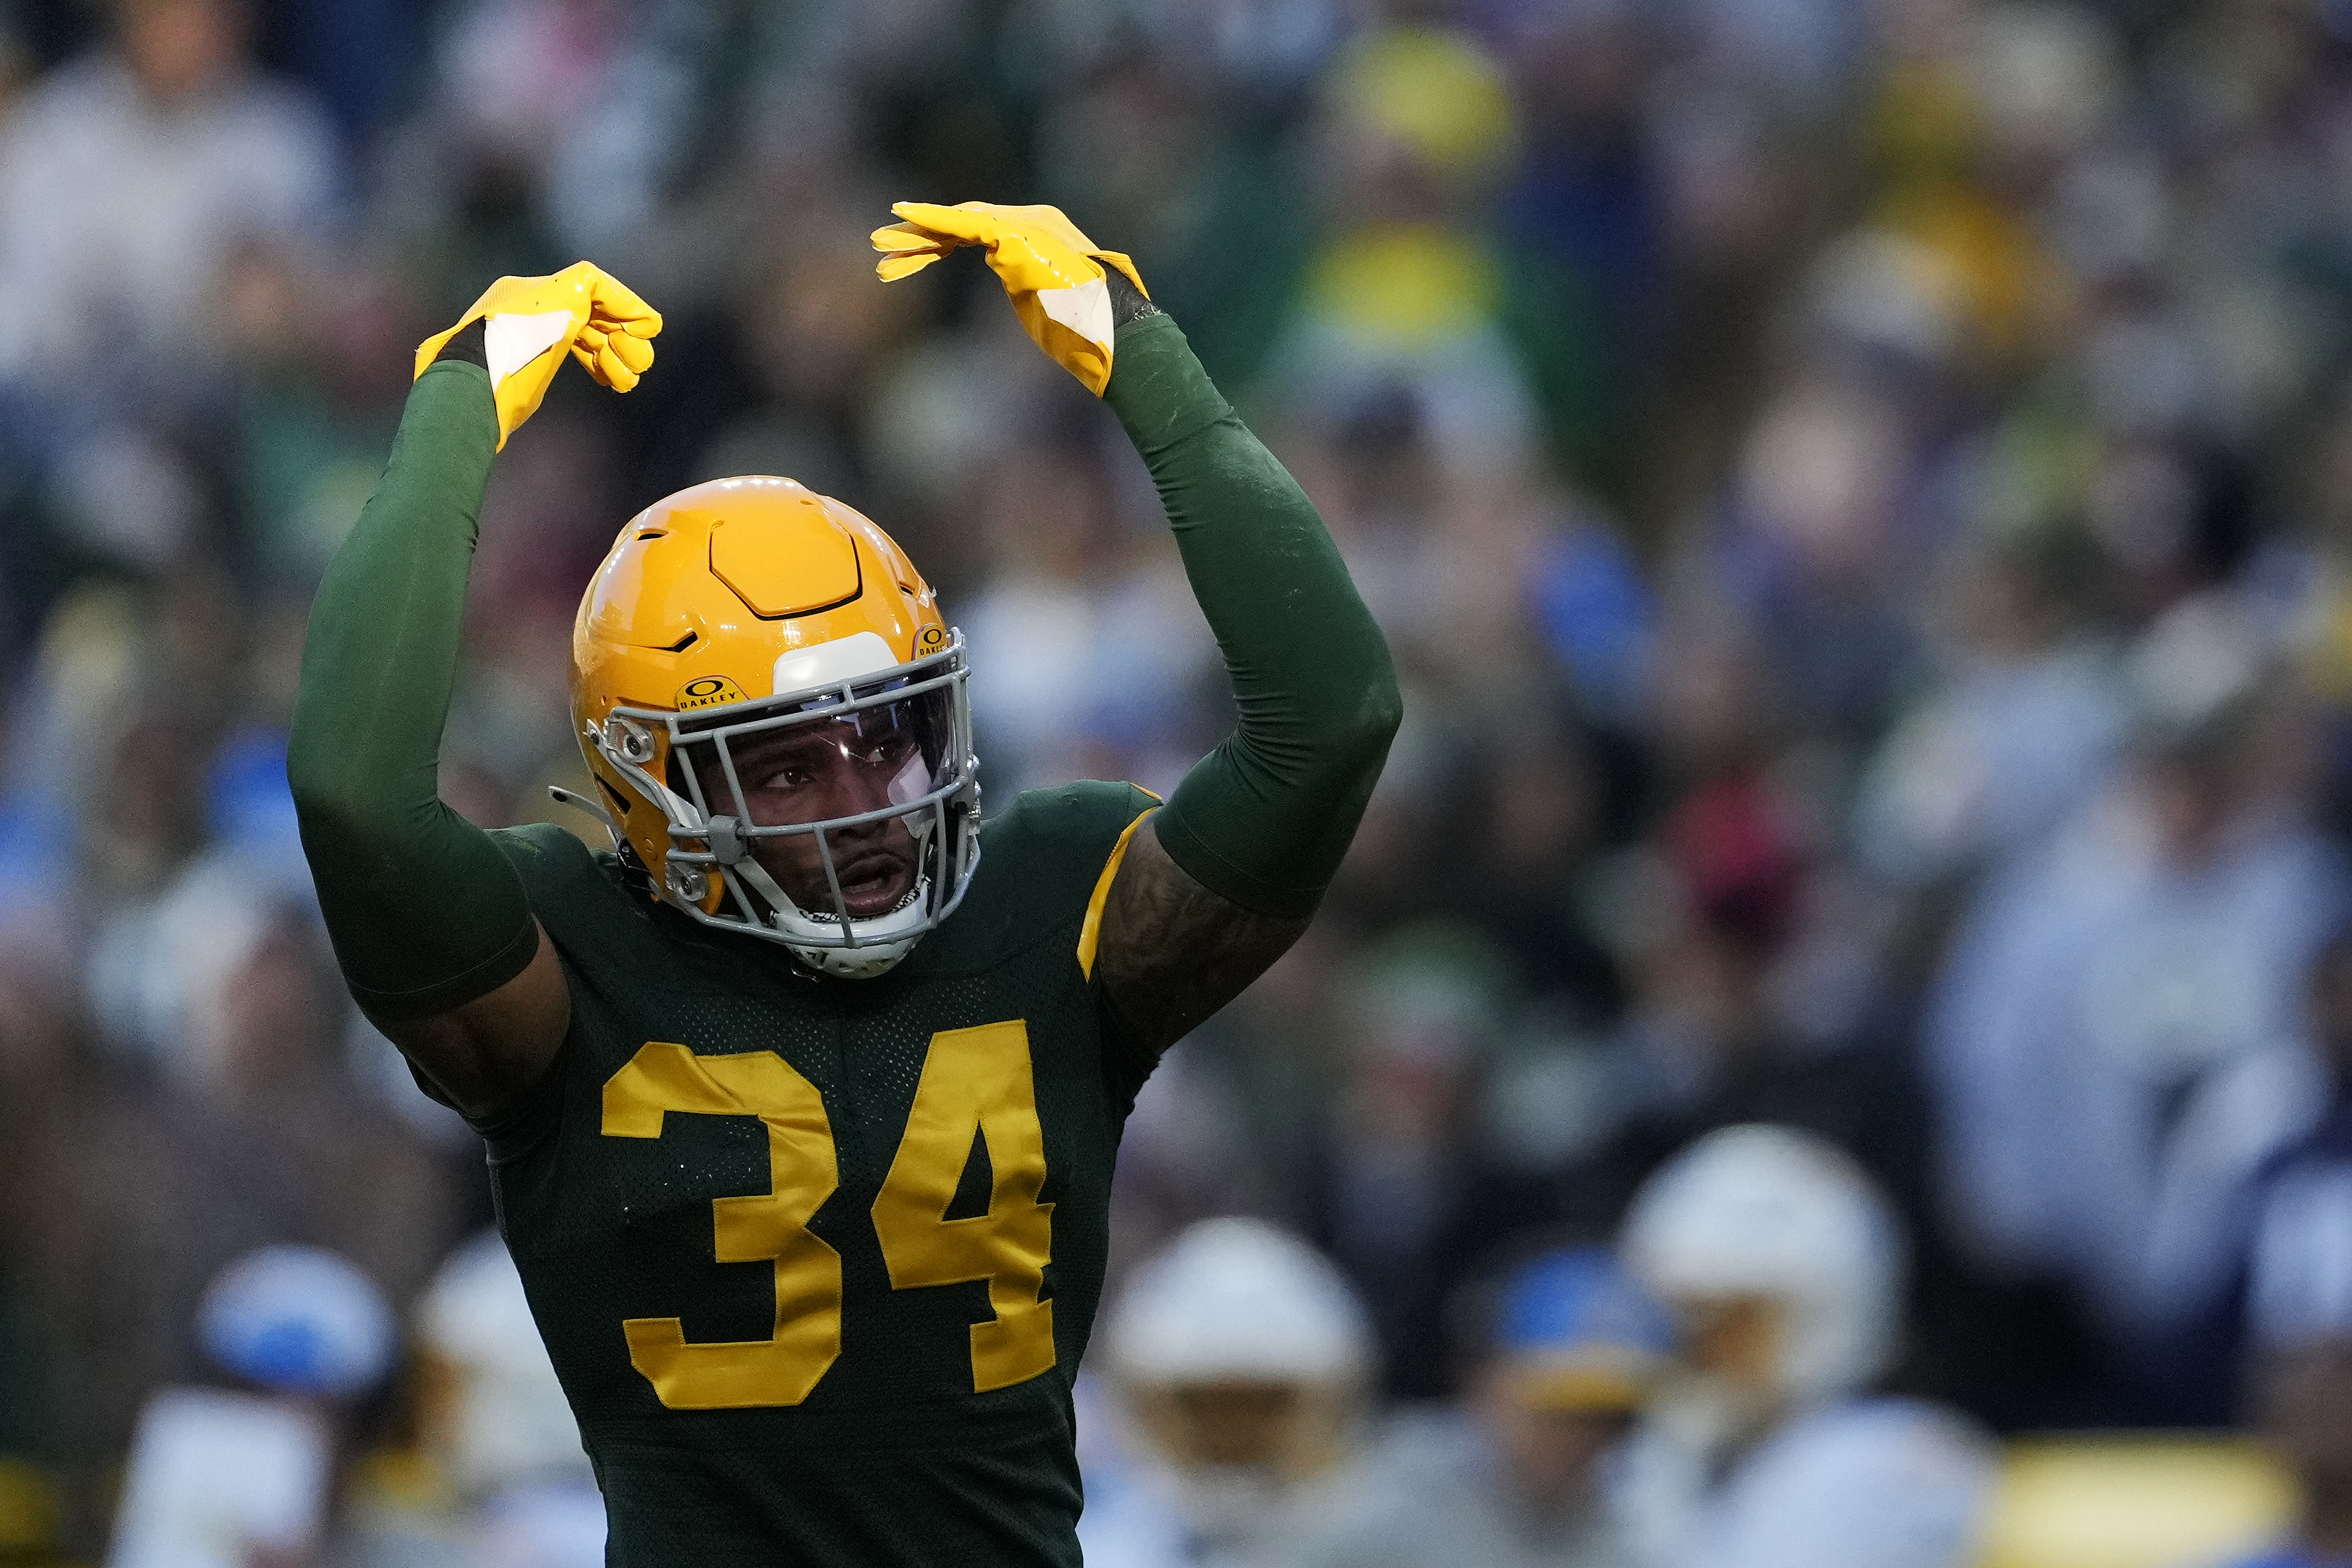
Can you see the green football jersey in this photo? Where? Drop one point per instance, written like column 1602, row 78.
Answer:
column 816, row 1259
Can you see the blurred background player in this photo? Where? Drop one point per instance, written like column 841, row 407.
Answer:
column 1525, row 1474
column 222, row 1476
column 1785, row 1273
column 1239, row 1366
column 491, row 1474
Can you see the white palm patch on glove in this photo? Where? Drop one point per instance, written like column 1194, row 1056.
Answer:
column 1084, row 309
column 511, row 341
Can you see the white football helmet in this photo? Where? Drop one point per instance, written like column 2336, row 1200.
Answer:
column 1775, row 1212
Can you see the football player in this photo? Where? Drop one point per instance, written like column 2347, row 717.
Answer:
column 801, row 1103
column 1240, row 1362
column 1783, row 1267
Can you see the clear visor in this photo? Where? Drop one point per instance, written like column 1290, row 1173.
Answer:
column 796, row 770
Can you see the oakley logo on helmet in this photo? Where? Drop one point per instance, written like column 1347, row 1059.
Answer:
column 707, row 692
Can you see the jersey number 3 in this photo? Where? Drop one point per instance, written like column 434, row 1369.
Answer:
column 975, row 1083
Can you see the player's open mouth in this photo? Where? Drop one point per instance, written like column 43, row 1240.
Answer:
column 874, row 884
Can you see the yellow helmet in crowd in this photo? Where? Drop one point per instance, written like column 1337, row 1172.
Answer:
column 735, row 613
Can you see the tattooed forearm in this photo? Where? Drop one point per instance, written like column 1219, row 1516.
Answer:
column 1171, row 953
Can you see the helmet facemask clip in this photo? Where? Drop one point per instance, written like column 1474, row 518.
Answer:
column 726, row 840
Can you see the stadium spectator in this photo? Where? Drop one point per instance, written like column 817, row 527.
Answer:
column 2021, row 725
column 1754, row 1003
column 1399, row 1192
column 2095, row 987
column 128, row 178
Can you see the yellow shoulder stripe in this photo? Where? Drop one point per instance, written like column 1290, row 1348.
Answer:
column 1091, row 932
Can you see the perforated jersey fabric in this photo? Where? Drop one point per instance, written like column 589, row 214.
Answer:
column 892, row 1456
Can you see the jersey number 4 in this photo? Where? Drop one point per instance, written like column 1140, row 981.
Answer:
column 976, row 1082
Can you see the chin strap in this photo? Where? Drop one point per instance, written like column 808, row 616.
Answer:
column 756, row 876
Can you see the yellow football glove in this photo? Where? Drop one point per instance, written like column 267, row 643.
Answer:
column 528, row 322
column 1053, row 273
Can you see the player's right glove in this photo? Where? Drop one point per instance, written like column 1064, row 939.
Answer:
column 529, row 323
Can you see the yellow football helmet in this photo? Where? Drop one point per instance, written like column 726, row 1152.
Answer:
column 775, row 713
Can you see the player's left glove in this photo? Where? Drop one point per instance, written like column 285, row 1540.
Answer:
column 1053, row 273
column 527, row 322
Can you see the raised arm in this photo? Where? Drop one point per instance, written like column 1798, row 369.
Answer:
column 430, row 924
column 1220, row 880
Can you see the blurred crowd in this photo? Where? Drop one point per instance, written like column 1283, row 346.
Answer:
column 1860, row 495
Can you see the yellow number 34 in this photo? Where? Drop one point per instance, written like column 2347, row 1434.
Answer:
column 974, row 1082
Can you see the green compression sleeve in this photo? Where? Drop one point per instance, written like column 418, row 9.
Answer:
column 1265, row 818
column 425, row 912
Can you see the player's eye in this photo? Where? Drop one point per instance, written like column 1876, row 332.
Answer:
column 791, row 775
